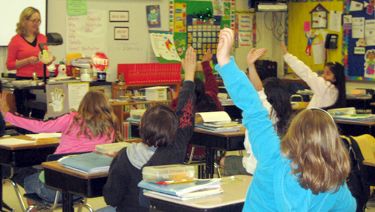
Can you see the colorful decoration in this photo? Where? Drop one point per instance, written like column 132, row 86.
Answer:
column 319, row 17
column 370, row 64
column 310, row 38
column 100, row 61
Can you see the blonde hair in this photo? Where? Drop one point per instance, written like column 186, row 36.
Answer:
column 319, row 158
column 95, row 117
column 25, row 16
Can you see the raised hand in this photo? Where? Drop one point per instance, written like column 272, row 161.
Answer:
column 207, row 56
column 224, row 48
column 283, row 47
column 189, row 63
column 254, row 55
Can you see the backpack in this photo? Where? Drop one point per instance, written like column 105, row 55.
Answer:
column 357, row 180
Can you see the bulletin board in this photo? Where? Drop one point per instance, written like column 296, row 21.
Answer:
column 197, row 23
column 359, row 34
column 298, row 14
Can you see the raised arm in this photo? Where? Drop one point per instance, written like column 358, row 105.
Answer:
column 256, row 118
column 252, row 56
column 185, row 114
column 56, row 125
column 317, row 84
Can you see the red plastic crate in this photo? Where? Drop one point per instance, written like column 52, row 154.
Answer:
column 149, row 73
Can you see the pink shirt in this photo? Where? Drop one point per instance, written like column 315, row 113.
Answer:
column 19, row 49
column 69, row 141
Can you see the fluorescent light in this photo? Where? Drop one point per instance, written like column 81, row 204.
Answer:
column 272, row 7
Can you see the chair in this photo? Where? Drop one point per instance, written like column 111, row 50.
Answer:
column 8, row 179
column 42, row 204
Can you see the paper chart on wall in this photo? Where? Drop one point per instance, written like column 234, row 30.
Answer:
column 334, row 23
column 164, row 47
column 356, row 6
column 87, row 34
column 370, row 32
column 76, row 92
column 358, row 27
column 245, row 27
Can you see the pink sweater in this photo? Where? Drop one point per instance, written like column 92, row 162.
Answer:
column 19, row 49
column 69, row 141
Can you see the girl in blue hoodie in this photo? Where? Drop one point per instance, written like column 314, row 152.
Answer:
column 307, row 170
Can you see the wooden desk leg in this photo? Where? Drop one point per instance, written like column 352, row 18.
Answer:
column 210, row 162
column 67, row 199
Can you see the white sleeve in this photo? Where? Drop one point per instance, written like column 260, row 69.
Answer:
column 317, row 84
column 263, row 99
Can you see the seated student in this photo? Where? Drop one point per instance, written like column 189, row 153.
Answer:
column 165, row 136
column 329, row 89
column 94, row 123
column 308, row 171
column 276, row 99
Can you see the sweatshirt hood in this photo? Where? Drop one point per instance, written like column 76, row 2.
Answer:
column 139, row 154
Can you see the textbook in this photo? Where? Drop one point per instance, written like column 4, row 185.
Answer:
column 195, row 189
column 87, row 163
column 189, row 196
column 111, row 148
column 218, row 129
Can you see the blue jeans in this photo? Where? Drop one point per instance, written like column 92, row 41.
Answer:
column 108, row 208
column 34, row 185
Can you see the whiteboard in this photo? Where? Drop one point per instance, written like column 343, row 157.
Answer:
column 10, row 11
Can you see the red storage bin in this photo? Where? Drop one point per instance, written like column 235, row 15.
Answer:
column 149, row 73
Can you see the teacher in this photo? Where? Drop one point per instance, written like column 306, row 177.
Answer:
column 23, row 49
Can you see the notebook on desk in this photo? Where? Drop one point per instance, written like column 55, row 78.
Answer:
column 88, row 163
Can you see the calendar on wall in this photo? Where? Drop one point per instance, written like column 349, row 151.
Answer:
column 203, row 34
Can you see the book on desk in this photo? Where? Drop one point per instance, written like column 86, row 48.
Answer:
column 218, row 121
column 88, row 163
column 184, row 191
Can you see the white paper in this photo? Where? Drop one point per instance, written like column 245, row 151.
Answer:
column 163, row 46
column 358, row 27
column 347, row 19
column 356, row 6
column 14, row 141
column 216, row 116
column 359, row 50
column 370, row 32
column 334, row 23
column 44, row 135
column 318, row 51
column 76, row 92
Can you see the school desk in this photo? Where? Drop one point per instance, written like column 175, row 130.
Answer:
column 72, row 182
column 232, row 199
column 24, row 155
column 213, row 141
column 356, row 127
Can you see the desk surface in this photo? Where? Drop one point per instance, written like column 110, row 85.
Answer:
column 241, row 132
column 56, row 166
column 355, row 122
column 124, row 103
column 40, row 143
column 234, row 187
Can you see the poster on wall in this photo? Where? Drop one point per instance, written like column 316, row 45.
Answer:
column 153, row 16
column 180, row 17
column 370, row 32
column 245, row 25
column 163, row 46
column 370, row 64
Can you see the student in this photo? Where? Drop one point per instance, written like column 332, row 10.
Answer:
column 276, row 99
column 94, row 123
column 307, row 172
column 329, row 89
column 165, row 136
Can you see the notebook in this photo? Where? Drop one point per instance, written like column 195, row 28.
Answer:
column 87, row 163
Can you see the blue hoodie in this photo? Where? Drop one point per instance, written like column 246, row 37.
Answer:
column 273, row 187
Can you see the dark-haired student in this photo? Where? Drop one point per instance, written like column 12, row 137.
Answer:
column 165, row 136
column 329, row 89
column 275, row 98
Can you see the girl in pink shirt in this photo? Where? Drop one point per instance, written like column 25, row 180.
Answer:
column 94, row 123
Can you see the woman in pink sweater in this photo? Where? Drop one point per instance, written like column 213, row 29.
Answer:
column 94, row 123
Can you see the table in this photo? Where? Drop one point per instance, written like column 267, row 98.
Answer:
column 227, row 141
column 72, row 182
column 356, row 127
column 24, row 155
column 232, row 199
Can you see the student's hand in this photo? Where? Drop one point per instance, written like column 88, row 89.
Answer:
column 32, row 60
column 283, row 47
column 4, row 107
column 226, row 40
column 254, row 55
column 189, row 63
column 207, row 56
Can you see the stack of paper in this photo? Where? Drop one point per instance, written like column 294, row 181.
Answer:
column 184, row 191
column 111, row 148
column 87, row 163
column 14, row 141
column 216, row 122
